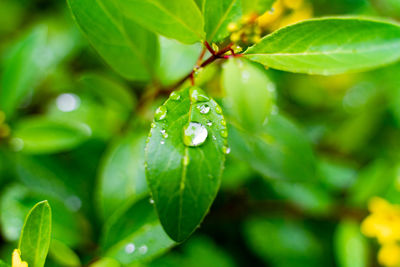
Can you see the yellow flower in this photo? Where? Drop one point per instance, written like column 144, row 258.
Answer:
column 16, row 259
column 389, row 255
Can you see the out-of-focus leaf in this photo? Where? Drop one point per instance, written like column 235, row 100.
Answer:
column 351, row 247
column 176, row 60
column 106, row 262
column 184, row 159
column 122, row 175
column 180, row 20
column 63, row 255
column 128, row 48
column 36, row 234
column 279, row 150
column 329, row 46
column 388, row 7
column 40, row 135
column 337, row 176
column 256, row 6
column 250, row 95
column 283, row 243
column 217, row 16
column 23, row 68
column 3, row 264
column 134, row 234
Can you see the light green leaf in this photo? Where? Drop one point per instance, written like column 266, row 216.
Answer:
column 23, row 69
column 184, row 158
column 176, row 19
column 63, row 255
column 256, row 6
column 122, row 175
column 133, row 234
column 106, row 262
column 329, row 46
column 217, row 16
column 351, row 247
column 279, row 150
column 250, row 94
column 40, row 135
column 128, row 48
column 35, row 236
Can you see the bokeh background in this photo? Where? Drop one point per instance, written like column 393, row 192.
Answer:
column 76, row 137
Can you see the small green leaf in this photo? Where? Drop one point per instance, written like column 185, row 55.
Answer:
column 217, row 16
column 106, row 262
column 22, row 70
column 134, row 234
column 43, row 135
column 329, row 46
column 256, row 6
column 279, row 150
column 176, row 19
column 185, row 158
column 122, row 175
column 35, row 236
column 250, row 95
column 351, row 247
column 63, row 255
column 128, row 48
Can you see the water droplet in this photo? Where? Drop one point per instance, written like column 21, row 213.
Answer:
column 197, row 95
column 226, row 150
column 223, row 122
column 68, row 102
column 161, row 113
column 151, row 201
column 143, row 249
column 175, row 96
column 17, row 144
column 162, row 142
column 186, row 160
column 164, row 133
column 73, row 203
column 130, row 248
column 194, row 134
column 152, row 125
column 224, row 133
column 209, row 123
column 214, row 137
column 204, row 109
column 218, row 110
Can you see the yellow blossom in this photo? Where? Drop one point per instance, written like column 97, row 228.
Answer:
column 389, row 255
column 16, row 259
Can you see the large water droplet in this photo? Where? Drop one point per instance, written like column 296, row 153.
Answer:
column 204, row 109
column 143, row 249
column 68, row 102
column 175, row 96
column 130, row 248
column 161, row 113
column 194, row 134
column 196, row 95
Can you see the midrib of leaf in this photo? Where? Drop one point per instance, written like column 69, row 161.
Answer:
column 134, row 48
column 222, row 18
column 178, row 19
column 39, row 238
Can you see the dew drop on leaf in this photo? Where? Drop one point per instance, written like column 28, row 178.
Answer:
column 224, row 133
column 143, row 249
column 130, row 248
column 194, row 134
column 223, row 122
column 161, row 113
column 218, row 110
column 204, row 109
column 209, row 123
column 196, row 95
column 151, row 201
column 226, row 150
column 164, row 133
column 175, row 96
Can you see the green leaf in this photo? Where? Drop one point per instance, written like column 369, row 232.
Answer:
column 106, row 262
column 122, row 175
column 63, row 255
column 40, row 135
column 351, row 247
column 217, row 16
column 134, row 234
column 176, row 19
column 22, row 70
column 184, row 170
column 256, row 6
column 250, row 95
column 35, row 236
column 3, row 264
column 128, row 48
column 279, row 150
column 329, row 46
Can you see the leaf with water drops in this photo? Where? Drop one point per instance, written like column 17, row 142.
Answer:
column 185, row 158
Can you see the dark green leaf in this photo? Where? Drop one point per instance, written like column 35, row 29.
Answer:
column 184, row 170
column 329, row 46
column 351, row 247
column 256, row 6
column 176, row 19
column 35, row 236
column 279, row 150
column 3, row 264
column 250, row 95
column 128, row 48
column 43, row 135
column 217, row 16
column 122, row 175
column 134, row 234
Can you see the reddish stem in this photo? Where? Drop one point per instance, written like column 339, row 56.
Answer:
column 209, row 48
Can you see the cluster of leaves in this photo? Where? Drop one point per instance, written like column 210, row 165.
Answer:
column 120, row 198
